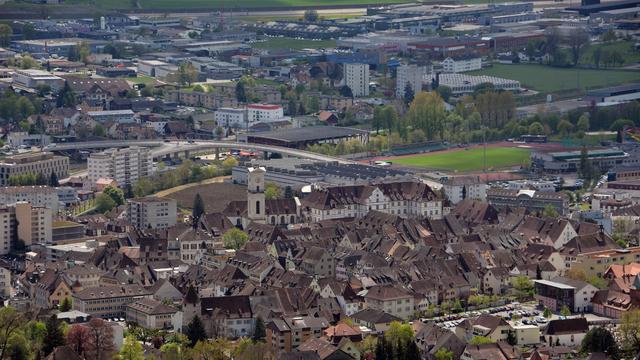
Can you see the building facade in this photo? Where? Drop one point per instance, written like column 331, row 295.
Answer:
column 356, row 77
column 413, row 75
column 33, row 163
column 125, row 166
column 152, row 212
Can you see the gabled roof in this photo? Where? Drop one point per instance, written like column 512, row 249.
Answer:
column 567, row 326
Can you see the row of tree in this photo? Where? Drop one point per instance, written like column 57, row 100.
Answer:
column 33, row 179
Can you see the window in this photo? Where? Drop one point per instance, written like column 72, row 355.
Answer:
column 258, row 207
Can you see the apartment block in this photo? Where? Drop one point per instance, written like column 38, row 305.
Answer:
column 152, row 212
column 412, row 75
column 125, row 166
column 33, row 223
column 44, row 196
column 108, row 301
column 286, row 334
column 7, row 229
column 33, row 163
column 357, row 79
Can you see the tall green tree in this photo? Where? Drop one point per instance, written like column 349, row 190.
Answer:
column 54, row 336
column 234, row 239
column 66, row 96
column 116, row 194
column 196, row 331
column 198, row 209
column 53, row 179
column 259, row 331
column 131, row 349
column 599, row 339
column 5, row 35
column 241, row 94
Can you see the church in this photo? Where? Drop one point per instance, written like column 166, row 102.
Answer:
column 257, row 208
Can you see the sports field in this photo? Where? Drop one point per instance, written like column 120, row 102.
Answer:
column 466, row 160
column 552, row 79
column 238, row 4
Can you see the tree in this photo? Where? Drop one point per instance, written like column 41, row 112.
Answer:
column 597, row 55
column 479, row 340
column 583, row 123
column 195, row 331
column 536, row 128
column 523, row 286
column 54, row 336
column 104, row 203
column 187, row 73
column 346, row 91
column 399, row 334
column 10, row 322
column 512, row 339
column 131, row 349
column 565, row 311
column 99, row 131
column 66, row 96
column 116, row 194
column 443, row 354
column 234, row 239
column 65, row 305
column 272, row 191
column 311, row 15
column 241, row 95
column 198, row 209
column 538, row 272
column 547, row 313
column 445, row 92
column 599, row 339
column 550, row 211
column 288, row 192
column 5, row 35
column 41, row 179
column 218, row 349
column 100, row 343
column 564, row 127
column 53, row 179
column 427, row 113
column 408, row 94
column 229, row 163
column 259, row 331
column 578, row 41
column 621, row 124
column 77, row 338
column 585, row 164
column 629, row 330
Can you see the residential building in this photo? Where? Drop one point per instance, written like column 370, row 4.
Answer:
column 126, row 166
column 460, row 64
column 8, row 230
column 153, row 314
column 532, row 200
column 51, row 289
column 152, row 212
column 5, row 281
column 42, row 196
column 390, row 299
column 33, row 163
column 108, row 301
column 227, row 316
column 458, row 188
column 412, row 75
column 34, row 223
column 356, row 77
column 560, row 292
column 405, row 199
column 264, row 113
column 287, row 333
column 566, row 332
column 231, row 118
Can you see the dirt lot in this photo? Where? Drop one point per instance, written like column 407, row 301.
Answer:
column 215, row 196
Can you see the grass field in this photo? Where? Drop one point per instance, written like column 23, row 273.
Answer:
column 215, row 196
column 288, row 43
column 550, row 80
column 626, row 48
column 468, row 159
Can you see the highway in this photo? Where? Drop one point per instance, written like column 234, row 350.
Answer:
column 162, row 148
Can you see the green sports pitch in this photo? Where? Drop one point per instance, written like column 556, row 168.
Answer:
column 468, row 160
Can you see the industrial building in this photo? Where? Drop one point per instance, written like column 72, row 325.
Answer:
column 300, row 138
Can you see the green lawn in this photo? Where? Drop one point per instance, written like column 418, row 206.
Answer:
column 550, row 79
column 626, row 48
column 141, row 80
column 288, row 43
column 469, row 159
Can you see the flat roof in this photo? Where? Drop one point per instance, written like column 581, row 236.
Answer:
column 615, row 89
column 310, row 133
column 555, row 284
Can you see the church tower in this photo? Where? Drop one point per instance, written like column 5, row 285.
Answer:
column 255, row 194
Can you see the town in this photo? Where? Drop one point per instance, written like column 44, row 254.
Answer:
column 326, row 180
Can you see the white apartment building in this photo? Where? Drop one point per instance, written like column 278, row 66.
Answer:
column 461, row 64
column 264, row 113
column 409, row 74
column 34, row 223
column 152, row 212
column 125, row 166
column 465, row 187
column 7, row 228
column 231, row 117
column 356, row 77
column 44, row 196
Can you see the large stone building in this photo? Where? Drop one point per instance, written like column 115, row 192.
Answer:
column 33, row 163
column 152, row 212
column 405, row 199
column 125, row 166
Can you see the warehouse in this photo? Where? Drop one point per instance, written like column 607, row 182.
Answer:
column 300, row 138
